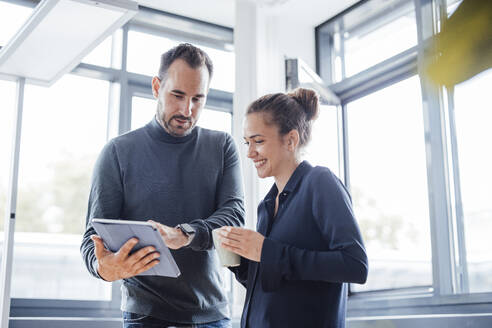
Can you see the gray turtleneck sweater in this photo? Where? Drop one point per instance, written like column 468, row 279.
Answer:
column 149, row 174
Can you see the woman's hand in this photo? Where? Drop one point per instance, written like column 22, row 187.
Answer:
column 244, row 242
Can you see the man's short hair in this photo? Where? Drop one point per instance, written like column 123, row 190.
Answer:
column 193, row 56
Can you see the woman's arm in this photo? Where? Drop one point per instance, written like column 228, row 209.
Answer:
column 346, row 259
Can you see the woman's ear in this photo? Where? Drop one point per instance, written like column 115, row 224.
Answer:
column 292, row 140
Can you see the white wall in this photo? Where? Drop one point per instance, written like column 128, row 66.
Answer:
column 262, row 40
column 281, row 37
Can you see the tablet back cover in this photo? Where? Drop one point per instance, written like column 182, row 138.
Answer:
column 115, row 235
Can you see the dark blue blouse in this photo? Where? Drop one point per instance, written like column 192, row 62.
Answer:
column 312, row 248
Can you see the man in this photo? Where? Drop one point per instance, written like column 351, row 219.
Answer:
column 185, row 178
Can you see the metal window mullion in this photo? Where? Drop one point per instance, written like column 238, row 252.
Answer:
column 342, row 109
column 124, row 117
column 344, row 123
column 181, row 36
column 390, row 71
column 96, row 72
column 441, row 227
column 342, row 144
column 345, row 147
column 123, row 125
column 463, row 282
column 342, row 51
column 175, row 26
column 324, row 45
column 8, row 243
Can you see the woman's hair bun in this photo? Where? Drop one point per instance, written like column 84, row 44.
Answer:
column 309, row 101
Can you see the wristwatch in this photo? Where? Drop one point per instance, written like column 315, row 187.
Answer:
column 187, row 229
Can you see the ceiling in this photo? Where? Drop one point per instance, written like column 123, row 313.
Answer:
column 305, row 12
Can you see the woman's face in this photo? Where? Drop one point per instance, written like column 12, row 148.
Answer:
column 266, row 147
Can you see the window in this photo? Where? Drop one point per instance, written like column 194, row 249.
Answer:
column 223, row 77
column 418, row 161
column 323, row 148
column 374, row 40
column 143, row 110
column 473, row 117
column 63, row 133
column 215, row 120
column 146, row 62
column 388, row 185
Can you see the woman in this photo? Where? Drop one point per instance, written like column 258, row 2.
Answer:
column 308, row 244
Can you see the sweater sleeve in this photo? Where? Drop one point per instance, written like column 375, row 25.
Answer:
column 344, row 260
column 105, row 200
column 230, row 207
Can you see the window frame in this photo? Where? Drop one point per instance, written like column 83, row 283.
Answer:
column 448, row 291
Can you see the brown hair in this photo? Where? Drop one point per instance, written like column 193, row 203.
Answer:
column 294, row 110
column 193, row 56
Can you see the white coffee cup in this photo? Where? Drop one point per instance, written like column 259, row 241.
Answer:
column 227, row 258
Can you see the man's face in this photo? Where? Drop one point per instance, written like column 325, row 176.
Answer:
column 181, row 98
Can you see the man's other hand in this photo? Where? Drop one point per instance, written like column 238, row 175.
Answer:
column 173, row 238
column 120, row 265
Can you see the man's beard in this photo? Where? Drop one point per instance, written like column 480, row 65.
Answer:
column 173, row 130
column 166, row 123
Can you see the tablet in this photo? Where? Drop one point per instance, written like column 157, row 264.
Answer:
column 115, row 233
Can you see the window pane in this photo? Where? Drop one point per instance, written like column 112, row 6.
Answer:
column 143, row 110
column 63, row 133
column 323, row 147
column 389, row 185
column 215, row 120
column 7, row 103
column 147, row 62
column 12, row 17
column 380, row 37
column 223, row 77
column 473, row 113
